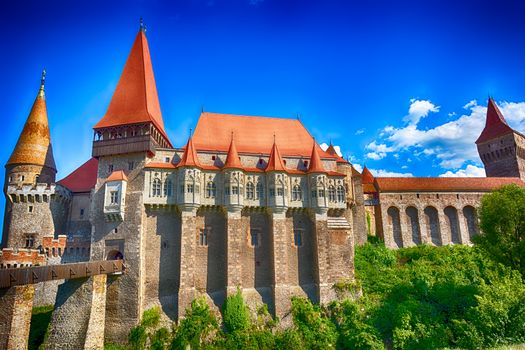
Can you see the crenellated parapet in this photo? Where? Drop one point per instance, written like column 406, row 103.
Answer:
column 38, row 193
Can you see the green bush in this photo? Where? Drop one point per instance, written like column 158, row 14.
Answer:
column 236, row 315
column 197, row 328
column 40, row 319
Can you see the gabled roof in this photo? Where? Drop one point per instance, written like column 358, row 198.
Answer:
column 444, row 184
column 495, row 124
column 275, row 162
column 34, row 143
column 368, row 178
column 189, row 158
column 117, row 175
column 316, row 165
column 232, row 158
column 83, row 179
column 135, row 99
column 331, row 151
column 253, row 134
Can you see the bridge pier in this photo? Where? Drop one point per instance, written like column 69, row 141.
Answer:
column 16, row 304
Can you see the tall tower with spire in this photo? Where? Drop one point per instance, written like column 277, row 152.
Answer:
column 501, row 148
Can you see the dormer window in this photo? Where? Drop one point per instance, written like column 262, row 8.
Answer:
column 113, row 197
column 167, row 159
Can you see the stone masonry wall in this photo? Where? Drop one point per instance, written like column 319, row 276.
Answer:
column 16, row 304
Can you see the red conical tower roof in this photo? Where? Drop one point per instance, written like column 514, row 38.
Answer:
column 495, row 124
column 275, row 162
column 190, row 158
column 232, row 159
column 316, row 165
column 34, row 144
column 368, row 178
column 135, row 99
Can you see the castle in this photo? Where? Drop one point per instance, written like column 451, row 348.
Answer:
column 249, row 203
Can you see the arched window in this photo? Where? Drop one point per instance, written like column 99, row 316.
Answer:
column 211, row 190
column 297, row 193
column 340, row 194
column 259, row 190
column 331, row 194
column 167, row 187
column 250, row 190
column 155, row 189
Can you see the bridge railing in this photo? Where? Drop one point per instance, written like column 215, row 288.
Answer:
column 36, row 274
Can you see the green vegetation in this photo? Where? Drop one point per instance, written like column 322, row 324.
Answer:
column 40, row 319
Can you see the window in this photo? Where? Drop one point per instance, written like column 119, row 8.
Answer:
column 30, row 241
column 272, row 192
column 297, row 193
column 314, row 194
column 259, row 191
column 167, row 187
column 131, row 165
column 110, row 168
column 37, row 178
column 250, row 191
column 167, row 159
column 254, row 238
column 113, row 197
column 235, row 190
column 115, row 231
column 331, row 194
column 280, row 191
column 189, row 188
column 30, row 209
column 211, row 190
column 155, row 189
column 227, row 190
column 22, row 178
column 321, row 193
column 305, row 163
column 340, row 194
column 203, row 237
column 82, row 212
column 298, row 238
column 261, row 161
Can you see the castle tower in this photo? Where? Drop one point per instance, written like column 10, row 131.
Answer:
column 32, row 159
column 501, row 148
column 233, row 178
column 34, row 204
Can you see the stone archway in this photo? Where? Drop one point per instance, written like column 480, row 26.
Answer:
column 451, row 214
column 433, row 227
column 395, row 224
column 471, row 221
column 413, row 220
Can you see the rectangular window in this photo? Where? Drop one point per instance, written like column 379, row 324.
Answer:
column 110, row 168
column 254, row 238
column 298, row 238
column 113, row 197
column 280, row 191
column 203, row 237
column 314, row 194
column 321, row 193
column 272, row 192
column 190, row 188
column 82, row 212
column 235, row 190
column 131, row 165
column 167, row 159
column 30, row 209
column 227, row 190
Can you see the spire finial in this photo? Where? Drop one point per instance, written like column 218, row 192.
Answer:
column 191, row 131
column 42, row 82
column 274, row 137
column 232, row 135
column 142, row 25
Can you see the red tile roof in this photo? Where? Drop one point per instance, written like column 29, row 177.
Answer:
column 34, row 143
column 190, row 158
column 233, row 160
column 495, row 124
column 253, row 134
column 83, row 179
column 135, row 99
column 369, row 188
column 331, row 151
column 316, row 165
column 444, row 184
column 117, row 175
column 159, row 165
column 275, row 162
column 368, row 178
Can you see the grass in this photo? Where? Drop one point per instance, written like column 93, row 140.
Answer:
column 40, row 319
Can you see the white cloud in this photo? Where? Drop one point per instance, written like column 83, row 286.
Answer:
column 469, row 171
column 472, row 103
column 360, row 131
column 386, row 173
column 324, row 146
column 379, row 151
column 451, row 114
column 375, row 156
column 419, row 109
column 358, row 167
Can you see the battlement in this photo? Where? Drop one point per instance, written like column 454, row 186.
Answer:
column 10, row 258
column 41, row 192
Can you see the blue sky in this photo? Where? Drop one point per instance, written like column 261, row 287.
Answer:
column 400, row 86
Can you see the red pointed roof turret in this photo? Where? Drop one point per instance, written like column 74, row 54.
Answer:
column 190, row 158
column 331, row 151
column 495, row 124
column 368, row 178
column 34, row 143
column 316, row 164
column 135, row 99
column 232, row 159
column 275, row 162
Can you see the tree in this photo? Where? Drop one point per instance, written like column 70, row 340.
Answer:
column 502, row 223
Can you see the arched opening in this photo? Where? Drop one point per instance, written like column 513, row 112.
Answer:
column 395, row 224
column 471, row 220
column 115, row 255
column 413, row 219
column 451, row 214
column 432, row 221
